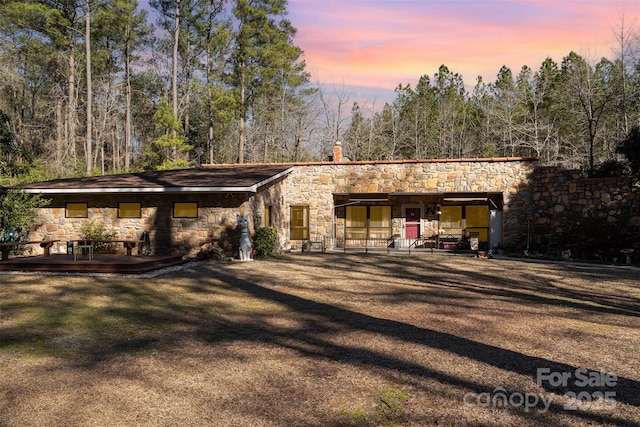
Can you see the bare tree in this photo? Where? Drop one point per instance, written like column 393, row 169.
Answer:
column 588, row 95
column 624, row 58
column 334, row 108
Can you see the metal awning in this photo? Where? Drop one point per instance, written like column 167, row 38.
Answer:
column 493, row 199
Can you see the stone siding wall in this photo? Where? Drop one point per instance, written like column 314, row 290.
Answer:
column 314, row 185
column 533, row 196
column 216, row 220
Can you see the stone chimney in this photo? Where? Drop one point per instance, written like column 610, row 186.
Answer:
column 337, row 152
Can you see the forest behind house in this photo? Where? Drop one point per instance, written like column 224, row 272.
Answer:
column 102, row 87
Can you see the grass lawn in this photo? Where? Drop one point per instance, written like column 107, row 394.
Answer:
column 324, row 340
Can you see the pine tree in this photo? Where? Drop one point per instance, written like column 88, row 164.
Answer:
column 264, row 61
column 171, row 146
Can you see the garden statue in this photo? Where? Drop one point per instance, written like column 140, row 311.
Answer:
column 245, row 242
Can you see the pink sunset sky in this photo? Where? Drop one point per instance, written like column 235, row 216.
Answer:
column 382, row 43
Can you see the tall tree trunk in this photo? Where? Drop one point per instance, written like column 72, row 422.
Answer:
column 127, row 107
column 174, row 77
column 209, row 111
column 241, row 129
column 187, row 99
column 59, row 143
column 72, row 103
column 89, row 141
column 265, row 156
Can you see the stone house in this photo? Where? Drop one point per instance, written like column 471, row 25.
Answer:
column 463, row 203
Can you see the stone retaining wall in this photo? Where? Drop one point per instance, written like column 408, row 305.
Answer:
column 557, row 198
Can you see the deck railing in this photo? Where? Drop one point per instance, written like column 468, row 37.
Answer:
column 366, row 245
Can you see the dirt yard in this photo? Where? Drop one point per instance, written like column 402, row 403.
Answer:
column 325, row 340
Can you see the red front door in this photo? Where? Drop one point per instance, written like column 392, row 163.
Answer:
column 412, row 223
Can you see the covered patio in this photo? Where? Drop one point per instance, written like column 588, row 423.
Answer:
column 436, row 221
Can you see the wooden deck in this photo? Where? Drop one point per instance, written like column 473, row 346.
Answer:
column 118, row 264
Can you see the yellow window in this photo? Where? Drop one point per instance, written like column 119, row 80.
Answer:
column 185, row 210
column 379, row 222
column 356, row 222
column 451, row 217
column 129, row 210
column 451, row 221
column 299, row 222
column 76, row 210
column 478, row 221
column 356, row 216
column 380, row 216
column 477, row 216
column 368, row 222
column 267, row 216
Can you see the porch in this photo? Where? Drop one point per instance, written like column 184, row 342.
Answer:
column 394, row 244
column 416, row 221
column 100, row 263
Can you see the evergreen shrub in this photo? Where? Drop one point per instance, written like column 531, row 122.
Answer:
column 265, row 241
column 596, row 239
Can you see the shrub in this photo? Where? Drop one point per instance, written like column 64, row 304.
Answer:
column 18, row 209
column 265, row 241
column 96, row 230
column 596, row 239
column 630, row 148
column 611, row 168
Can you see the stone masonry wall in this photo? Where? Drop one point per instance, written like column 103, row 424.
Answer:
column 216, row 220
column 533, row 196
column 555, row 198
column 315, row 184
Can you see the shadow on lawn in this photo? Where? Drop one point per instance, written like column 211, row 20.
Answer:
column 543, row 291
column 169, row 318
column 307, row 342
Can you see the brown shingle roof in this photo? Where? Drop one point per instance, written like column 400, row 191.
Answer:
column 227, row 178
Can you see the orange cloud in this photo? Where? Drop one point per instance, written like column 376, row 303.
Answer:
column 381, row 43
